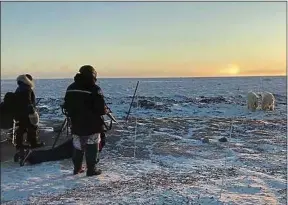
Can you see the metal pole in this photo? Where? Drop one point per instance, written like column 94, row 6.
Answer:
column 132, row 101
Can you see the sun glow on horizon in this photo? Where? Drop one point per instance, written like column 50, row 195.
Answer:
column 231, row 69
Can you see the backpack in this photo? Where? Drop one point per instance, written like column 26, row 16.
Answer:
column 7, row 110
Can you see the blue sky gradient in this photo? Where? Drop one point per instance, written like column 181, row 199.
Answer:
column 143, row 39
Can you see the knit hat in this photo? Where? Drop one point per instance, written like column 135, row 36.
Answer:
column 88, row 70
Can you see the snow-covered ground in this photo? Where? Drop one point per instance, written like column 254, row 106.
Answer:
column 171, row 166
column 165, row 161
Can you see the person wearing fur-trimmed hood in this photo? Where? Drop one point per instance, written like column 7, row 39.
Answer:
column 25, row 112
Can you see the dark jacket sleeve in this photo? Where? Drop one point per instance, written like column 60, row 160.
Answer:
column 98, row 101
column 67, row 103
column 64, row 105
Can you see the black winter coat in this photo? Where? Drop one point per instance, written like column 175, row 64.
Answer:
column 85, row 105
column 25, row 102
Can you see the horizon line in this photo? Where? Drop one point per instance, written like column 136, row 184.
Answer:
column 155, row 77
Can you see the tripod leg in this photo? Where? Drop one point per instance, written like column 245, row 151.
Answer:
column 62, row 127
column 67, row 127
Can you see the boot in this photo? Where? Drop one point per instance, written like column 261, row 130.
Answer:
column 77, row 159
column 91, row 154
column 19, row 155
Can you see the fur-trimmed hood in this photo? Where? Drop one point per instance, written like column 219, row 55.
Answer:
column 24, row 79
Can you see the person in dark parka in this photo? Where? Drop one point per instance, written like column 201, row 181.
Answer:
column 85, row 105
column 25, row 112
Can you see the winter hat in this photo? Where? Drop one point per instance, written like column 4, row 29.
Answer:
column 26, row 79
column 88, row 71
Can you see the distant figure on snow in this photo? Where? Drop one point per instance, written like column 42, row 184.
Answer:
column 252, row 101
column 25, row 113
column 268, row 101
column 84, row 103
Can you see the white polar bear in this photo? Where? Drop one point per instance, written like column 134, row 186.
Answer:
column 252, row 101
column 268, row 101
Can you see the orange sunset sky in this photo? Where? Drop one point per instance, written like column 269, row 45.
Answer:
column 143, row 39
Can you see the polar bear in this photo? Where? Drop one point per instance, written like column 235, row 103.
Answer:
column 268, row 101
column 252, row 101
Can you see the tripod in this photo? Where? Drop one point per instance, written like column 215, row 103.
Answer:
column 65, row 125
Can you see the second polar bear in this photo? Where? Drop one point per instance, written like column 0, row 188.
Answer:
column 268, row 101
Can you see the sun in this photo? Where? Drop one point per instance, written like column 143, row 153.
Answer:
column 231, row 69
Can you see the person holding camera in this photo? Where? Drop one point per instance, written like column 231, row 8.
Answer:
column 85, row 105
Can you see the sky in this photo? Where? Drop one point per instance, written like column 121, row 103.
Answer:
column 143, row 39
